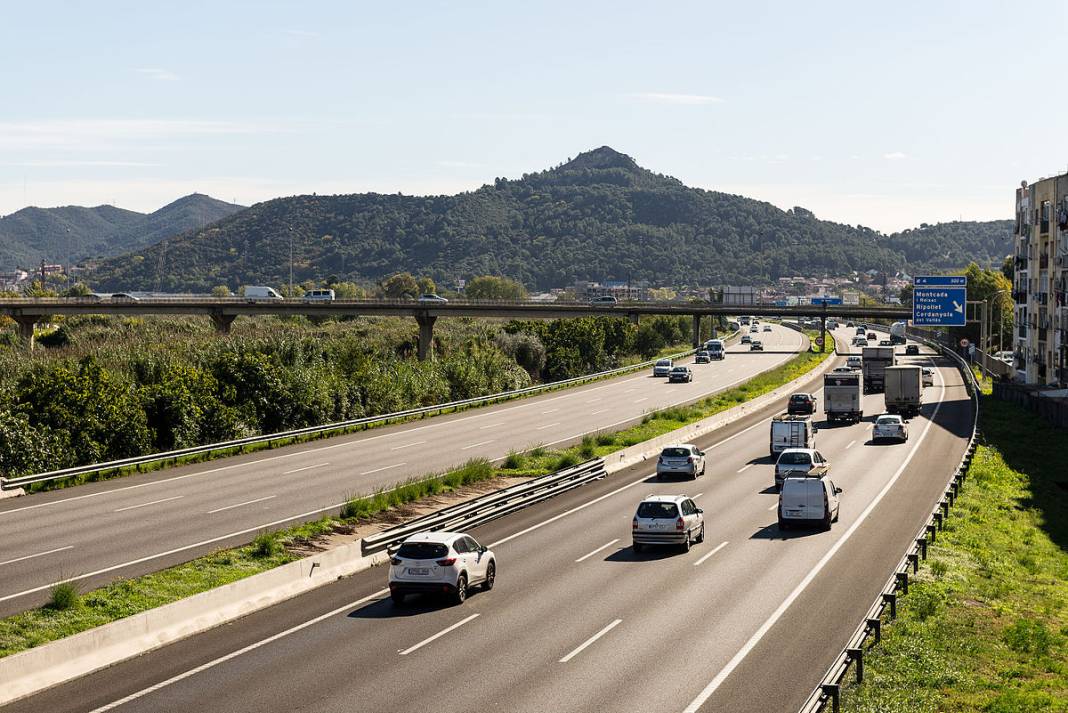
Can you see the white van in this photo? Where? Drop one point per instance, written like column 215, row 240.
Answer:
column 791, row 431
column 715, row 349
column 808, row 500
column 254, row 293
column 319, row 296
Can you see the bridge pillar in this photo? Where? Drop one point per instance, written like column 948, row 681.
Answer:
column 26, row 325
column 426, row 336
column 696, row 331
column 222, row 322
column 823, row 334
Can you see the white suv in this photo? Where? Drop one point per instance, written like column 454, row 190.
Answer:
column 667, row 520
column 442, row 563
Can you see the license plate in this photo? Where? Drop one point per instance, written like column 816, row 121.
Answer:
column 418, row 570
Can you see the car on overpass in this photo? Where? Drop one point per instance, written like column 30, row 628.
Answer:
column 440, row 563
column 667, row 520
column 431, row 298
column 604, row 300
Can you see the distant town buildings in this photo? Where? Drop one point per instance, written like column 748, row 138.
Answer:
column 620, row 289
column 1040, row 274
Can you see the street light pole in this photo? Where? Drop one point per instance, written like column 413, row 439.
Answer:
column 290, row 295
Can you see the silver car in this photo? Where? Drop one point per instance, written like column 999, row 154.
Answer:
column 667, row 520
column 662, row 367
column 890, row 426
column 681, row 459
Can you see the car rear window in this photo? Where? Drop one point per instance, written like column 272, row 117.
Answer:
column 664, row 362
column 795, row 459
column 675, row 452
column 422, row 550
column 658, row 511
column 885, row 420
column 799, row 397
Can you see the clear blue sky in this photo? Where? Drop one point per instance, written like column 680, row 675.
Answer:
column 886, row 114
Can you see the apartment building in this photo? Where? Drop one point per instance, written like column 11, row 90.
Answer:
column 1040, row 281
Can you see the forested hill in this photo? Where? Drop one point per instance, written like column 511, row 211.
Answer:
column 59, row 234
column 948, row 246
column 599, row 216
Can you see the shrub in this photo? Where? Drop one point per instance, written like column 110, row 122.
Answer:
column 266, row 544
column 64, row 596
column 513, row 461
column 566, row 460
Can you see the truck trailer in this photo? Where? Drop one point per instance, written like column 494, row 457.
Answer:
column 904, row 390
column 843, row 397
column 875, row 362
column 897, row 333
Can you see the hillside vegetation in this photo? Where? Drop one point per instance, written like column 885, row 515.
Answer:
column 599, row 216
column 73, row 232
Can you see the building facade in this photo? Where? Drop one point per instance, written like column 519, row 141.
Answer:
column 1040, row 281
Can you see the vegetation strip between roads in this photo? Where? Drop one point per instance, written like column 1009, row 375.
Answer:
column 70, row 612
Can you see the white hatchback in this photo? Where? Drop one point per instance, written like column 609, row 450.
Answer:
column 890, row 426
column 440, row 563
column 667, row 520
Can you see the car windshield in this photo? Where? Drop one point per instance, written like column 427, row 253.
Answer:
column 675, row 453
column 888, row 420
column 795, row 459
column 679, row 370
column 422, row 550
column 664, row 362
column 658, row 511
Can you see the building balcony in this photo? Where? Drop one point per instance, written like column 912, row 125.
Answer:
column 1043, row 261
column 1020, row 262
column 1042, row 334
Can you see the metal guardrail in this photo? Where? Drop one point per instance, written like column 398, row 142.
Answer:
column 12, row 483
column 489, row 507
column 829, row 690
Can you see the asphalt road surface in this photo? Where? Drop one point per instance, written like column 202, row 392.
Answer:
column 99, row 532
column 746, row 621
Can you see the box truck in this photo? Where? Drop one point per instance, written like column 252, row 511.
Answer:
column 843, row 396
column 904, row 390
column 875, row 361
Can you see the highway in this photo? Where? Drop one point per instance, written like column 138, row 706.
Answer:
column 746, row 621
column 99, row 532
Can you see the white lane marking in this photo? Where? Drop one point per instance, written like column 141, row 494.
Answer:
column 234, row 654
column 587, row 642
column 438, row 635
column 591, row 554
column 696, row 496
column 548, row 425
column 307, row 467
column 594, row 413
column 627, row 391
column 385, row 467
column 552, row 410
column 491, row 425
column 773, row 506
column 715, row 683
column 145, row 505
column 583, row 506
column 744, row 468
column 716, row 549
column 851, row 444
column 644, row 398
column 39, row 554
column 476, row 445
column 593, row 401
column 408, row 445
column 237, row 505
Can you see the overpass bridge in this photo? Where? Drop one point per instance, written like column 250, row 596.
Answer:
column 222, row 311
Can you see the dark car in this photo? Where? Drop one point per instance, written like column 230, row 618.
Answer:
column 802, row 403
column 680, row 374
column 702, row 358
column 871, row 336
column 912, row 350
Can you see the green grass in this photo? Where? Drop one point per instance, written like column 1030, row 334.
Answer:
column 985, row 626
column 269, row 550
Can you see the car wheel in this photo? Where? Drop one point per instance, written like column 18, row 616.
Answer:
column 783, row 525
column 637, row 546
column 827, row 522
column 659, row 476
column 397, row 597
column 701, row 534
column 685, row 546
column 491, row 576
column 459, row 596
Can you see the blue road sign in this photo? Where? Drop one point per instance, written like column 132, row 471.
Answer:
column 826, row 300
column 939, row 301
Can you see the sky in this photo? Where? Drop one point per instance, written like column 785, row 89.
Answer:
column 886, row 115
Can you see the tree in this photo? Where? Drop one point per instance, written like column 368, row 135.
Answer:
column 994, row 289
column 220, row 291
column 78, row 289
column 426, row 286
column 490, row 287
column 400, row 284
column 348, row 290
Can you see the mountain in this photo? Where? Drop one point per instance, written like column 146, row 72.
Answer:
column 599, row 216
column 59, row 234
column 949, row 246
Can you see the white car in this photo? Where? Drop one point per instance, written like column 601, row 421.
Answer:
column 754, row 328
column 746, row 339
column 667, row 520
column 767, row 327
column 808, row 500
column 662, row 367
column 432, row 298
column 928, row 376
column 440, row 563
column 855, row 361
column 681, row 459
column 794, row 462
column 890, row 426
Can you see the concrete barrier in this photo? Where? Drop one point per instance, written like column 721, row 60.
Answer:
column 650, row 449
column 34, row 670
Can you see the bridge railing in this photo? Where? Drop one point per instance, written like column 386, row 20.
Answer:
column 829, row 690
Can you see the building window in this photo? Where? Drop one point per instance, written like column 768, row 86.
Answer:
column 1044, row 217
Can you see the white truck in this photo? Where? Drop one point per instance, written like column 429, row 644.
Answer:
column 791, row 431
column 843, row 396
column 903, row 390
column 875, row 362
column 897, row 333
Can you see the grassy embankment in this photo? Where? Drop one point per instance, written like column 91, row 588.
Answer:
column 70, row 612
column 985, row 626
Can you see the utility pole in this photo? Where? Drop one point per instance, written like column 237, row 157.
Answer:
column 290, row 295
